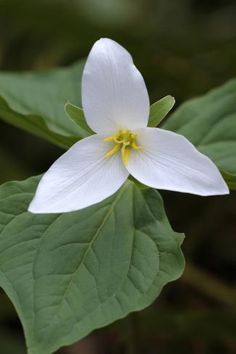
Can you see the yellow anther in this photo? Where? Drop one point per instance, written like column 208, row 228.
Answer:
column 124, row 132
column 110, row 138
column 113, row 151
column 125, row 152
column 124, row 141
column 135, row 146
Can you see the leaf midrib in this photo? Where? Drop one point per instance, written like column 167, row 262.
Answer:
column 90, row 244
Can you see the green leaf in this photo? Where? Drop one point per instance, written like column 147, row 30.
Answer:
column 159, row 110
column 68, row 274
column 34, row 101
column 209, row 122
column 77, row 115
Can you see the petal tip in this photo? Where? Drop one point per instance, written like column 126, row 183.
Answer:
column 32, row 209
column 225, row 190
column 104, row 40
column 220, row 189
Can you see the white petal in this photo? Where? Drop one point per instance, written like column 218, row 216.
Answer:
column 79, row 178
column 169, row 161
column 114, row 95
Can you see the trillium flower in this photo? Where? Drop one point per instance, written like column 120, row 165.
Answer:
column 116, row 107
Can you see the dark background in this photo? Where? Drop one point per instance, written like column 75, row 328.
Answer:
column 183, row 48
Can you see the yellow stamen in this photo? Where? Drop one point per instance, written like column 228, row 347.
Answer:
column 135, row 146
column 124, row 141
column 113, row 151
column 125, row 152
column 110, row 138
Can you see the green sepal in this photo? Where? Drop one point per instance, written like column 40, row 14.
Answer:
column 77, row 115
column 160, row 109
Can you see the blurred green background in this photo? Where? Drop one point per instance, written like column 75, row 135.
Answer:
column 183, row 48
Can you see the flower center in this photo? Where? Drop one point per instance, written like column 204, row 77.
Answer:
column 124, row 141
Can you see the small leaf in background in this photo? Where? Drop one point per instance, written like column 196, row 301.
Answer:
column 159, row 110
column 209, row 122
column 35, row 102
column 77, row 115
column 68, row 274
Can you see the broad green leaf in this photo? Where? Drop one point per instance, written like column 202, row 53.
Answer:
column 159, row 110
column 68, row 274
column 210, row 123
column 77, row 115
column 34, row 101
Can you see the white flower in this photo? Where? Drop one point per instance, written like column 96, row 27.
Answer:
column 116, row 107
